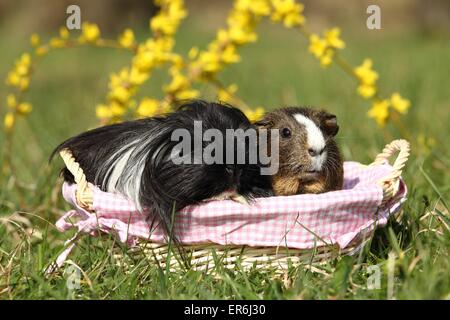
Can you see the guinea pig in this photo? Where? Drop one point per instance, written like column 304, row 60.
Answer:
column 137, row 159
column 309, row 158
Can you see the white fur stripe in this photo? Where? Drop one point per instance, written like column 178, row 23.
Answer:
column 117, row 170
column 316, row 141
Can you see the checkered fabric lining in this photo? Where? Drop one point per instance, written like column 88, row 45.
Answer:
column 301, row 221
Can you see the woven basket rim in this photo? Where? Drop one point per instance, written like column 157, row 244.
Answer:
column 389, row 184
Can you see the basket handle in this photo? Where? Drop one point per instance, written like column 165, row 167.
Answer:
column 391, row 182
column 83, row 194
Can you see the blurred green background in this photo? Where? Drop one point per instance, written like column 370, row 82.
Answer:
column 411, row 53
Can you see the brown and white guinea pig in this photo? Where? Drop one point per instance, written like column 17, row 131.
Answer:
column 309, row 158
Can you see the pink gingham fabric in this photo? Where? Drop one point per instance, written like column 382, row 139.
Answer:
column 301, row 221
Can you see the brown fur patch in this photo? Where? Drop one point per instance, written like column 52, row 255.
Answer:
column 314, row 187
column 285, row 185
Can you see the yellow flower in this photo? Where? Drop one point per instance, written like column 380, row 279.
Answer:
column 167, row 20
column 241, row 36
column 35, row 40
column 126, row 39
column 157, row 46
column 332, row 38
column 103, row 112
column 367, row 77
column 120, row 94
column 321, row 49
column 24, row 108
column 147, row 107
column 239, row 18
column 25, row 60
column 327, row 58
column 255, row 115
column 137, row 77
column 365, row 73
column 193, row 53
column 117, row 109
column 179, row 82
column 22, row 65
column 163, row 24
column 144, row 60
column 18, row 76
column 64, row 33
column 24, row 83
column 22, row 70
column 240, row 28
column 230, row 55
column 367, row 91
column 11, row 101
column 289, row 12
column 223, row 36
column 41, row 51
column 119, row 79
column 9, row 120
column 13, row 79
column 400, row 104
column 209, row 62
column 90, row 32
column 317, row 46
column 257, row 7
column 293, row 19
column 379, row 112
column 226, row 95
column 176, row 60
column 186, row 94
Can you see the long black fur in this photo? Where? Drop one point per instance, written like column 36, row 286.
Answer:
column 165, row 186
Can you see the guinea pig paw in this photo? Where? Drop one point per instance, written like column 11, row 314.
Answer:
column 229, row 195
column 240, row 199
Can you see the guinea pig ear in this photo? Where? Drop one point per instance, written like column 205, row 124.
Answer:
column 263, row 123
column 329, row 124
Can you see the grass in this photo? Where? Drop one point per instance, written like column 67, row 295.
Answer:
column 275, row 71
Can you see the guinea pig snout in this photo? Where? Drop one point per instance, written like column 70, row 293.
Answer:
column 318, row 158
column 314, row 152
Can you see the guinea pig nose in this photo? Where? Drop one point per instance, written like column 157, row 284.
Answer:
column 314, row 153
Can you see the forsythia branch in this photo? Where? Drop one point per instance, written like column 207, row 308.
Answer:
column 198, row 66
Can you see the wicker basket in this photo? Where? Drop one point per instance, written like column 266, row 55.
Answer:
column 206, row 256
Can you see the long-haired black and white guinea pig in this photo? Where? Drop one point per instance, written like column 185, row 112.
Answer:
column 309, row 158
column 134, row 158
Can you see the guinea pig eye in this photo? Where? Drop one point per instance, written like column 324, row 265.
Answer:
column 286, row 133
